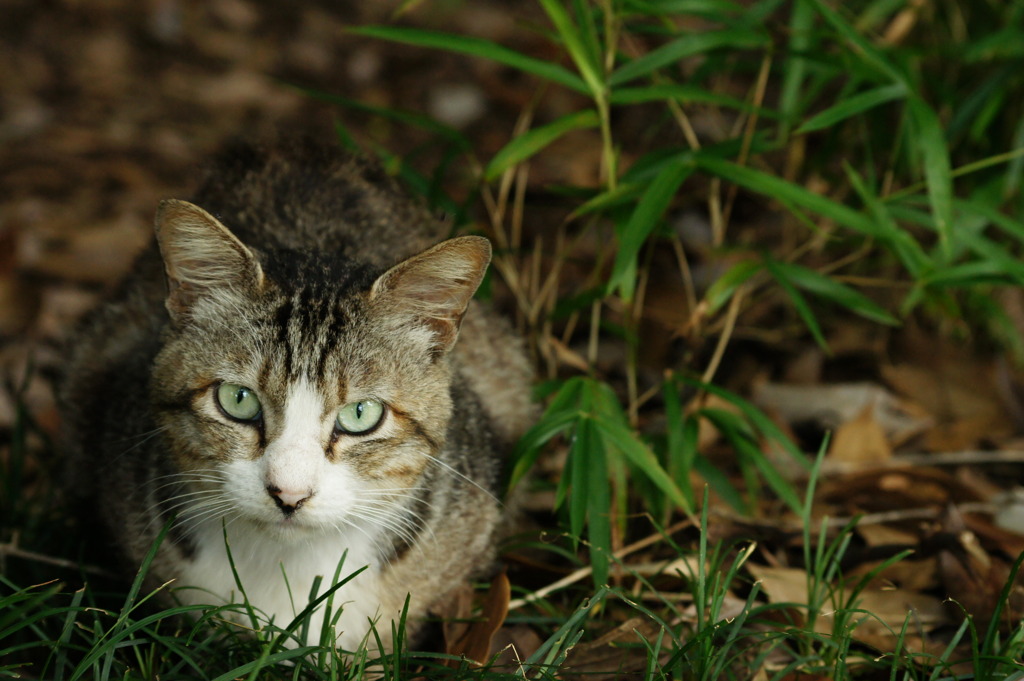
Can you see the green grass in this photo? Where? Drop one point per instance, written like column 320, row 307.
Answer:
column 893, row 161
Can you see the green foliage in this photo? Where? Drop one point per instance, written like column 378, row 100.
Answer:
column 921, row 183
column 588, row 414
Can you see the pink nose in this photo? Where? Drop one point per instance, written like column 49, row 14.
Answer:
column 287, row 500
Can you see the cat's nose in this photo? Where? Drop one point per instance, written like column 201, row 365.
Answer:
column 288, row 501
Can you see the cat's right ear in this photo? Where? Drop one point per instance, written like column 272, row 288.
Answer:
column 201, row 258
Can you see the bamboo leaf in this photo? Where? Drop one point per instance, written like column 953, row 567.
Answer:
column 931, row 143
column 995, row 255
column 584, row 448
column 735, row 430
column 1013, row 228
column 681, row 443
column 529, row 143
column 756, row 418
column 720, row 483
column 799, row 302
column 852, row 106
column 625, row 192
column 713, row 8
column 830, row 289
column 725, row 286
column 595, row 489
column 561, row 414
column 906, row 248
column 772, row 186
column 643, row 460
column 970, row 274
column 801, row 22
column 475, row 47
column 575, row 45
column 868, row 52
column 653, row 203
column 683, row 93
column 683, row 47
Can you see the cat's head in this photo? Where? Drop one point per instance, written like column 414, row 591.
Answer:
column 300, row 391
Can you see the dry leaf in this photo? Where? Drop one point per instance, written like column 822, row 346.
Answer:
column 830, row 406
column 960, row 393
column 100, row 253
column 512, row 645
column 890, row 606
column 885, row 535
column 471, row 638
column 613, row 655
column 971, row 576
column 860, row 441
column 895, row 489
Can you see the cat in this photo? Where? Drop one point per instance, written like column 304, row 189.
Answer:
column 297, row 366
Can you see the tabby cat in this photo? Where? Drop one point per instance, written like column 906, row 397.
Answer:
column 270, row 376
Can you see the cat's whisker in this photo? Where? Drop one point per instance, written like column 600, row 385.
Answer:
column 405, row 515
column 172, row 510
column 200, row 516
column 199, row 476
column 194, row 507
column 465, row 477
column 178, row 500
column 143, row 439
column 207, row 515
column 393, row 495
column 389, row 523
column 416, row 488
column 341, row 524
column 383, row 523
column 145, row 436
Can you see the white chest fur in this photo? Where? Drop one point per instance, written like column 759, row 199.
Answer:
column 278, row 575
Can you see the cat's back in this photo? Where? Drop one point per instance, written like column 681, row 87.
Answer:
column 305, row 195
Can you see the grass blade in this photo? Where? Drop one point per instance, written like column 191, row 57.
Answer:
column 910, row 253
column 684, row 94
column 686, row 46
column 832, row 290
column 801, row 22
column 572, row 39
column 772, row 186
column 867, row 52
column 529, row 143
column 723, row 289
column 938, row 174
column 594, row 490
column 852, row 106
column 643, row 460
column 652, row 205
column 799, row 302
column 475, row 47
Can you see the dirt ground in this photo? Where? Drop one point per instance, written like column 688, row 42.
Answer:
column 108, row 106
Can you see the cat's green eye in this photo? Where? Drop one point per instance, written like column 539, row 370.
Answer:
column 238, row 402
column 357, row 418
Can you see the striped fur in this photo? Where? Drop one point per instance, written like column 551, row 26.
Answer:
column 305, row 275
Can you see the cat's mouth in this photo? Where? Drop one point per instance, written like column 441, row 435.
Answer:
column 283, row 524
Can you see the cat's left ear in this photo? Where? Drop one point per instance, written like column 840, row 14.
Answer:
column 203, row 259
column 435, row 287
